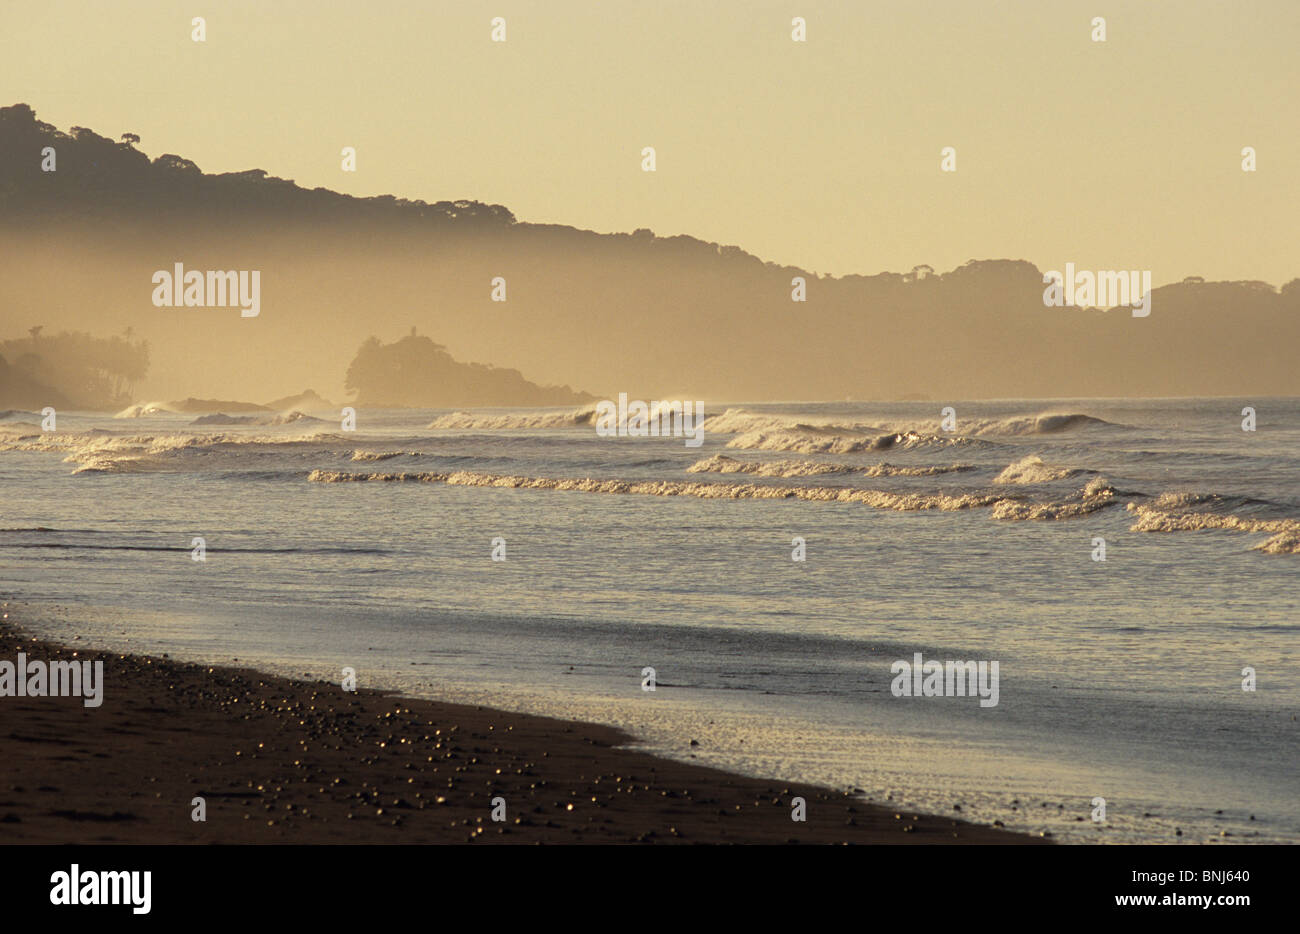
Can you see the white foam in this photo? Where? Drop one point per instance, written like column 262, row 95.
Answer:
column 1150, row 518
column 720, row 463
column 143, row 409
column 828, row 441
column 1098, row 494
column 878, row 499
column 574, row 418
column 1031, row 469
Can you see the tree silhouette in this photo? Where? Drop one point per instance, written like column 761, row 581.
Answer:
column 93, row 372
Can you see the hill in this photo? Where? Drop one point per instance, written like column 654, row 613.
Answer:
column 658, row 317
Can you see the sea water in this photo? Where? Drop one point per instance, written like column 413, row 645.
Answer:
column 1120, row 679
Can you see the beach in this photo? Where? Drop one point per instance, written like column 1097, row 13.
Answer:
column 296, row 762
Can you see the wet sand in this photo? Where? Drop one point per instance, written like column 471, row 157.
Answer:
column 287, row 761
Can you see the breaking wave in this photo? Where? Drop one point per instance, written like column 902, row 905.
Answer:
column 903, row 502
column 1098, row 494
column 143, row 409
column 1031, row 469
column 1283, row 543
column 1046, row 423
column 383, row 455
column 1169, row 512
column 1151, row 517
column 807, row 440
column 575, row 418
column 720, row 463
column 740, row 422
column 23, row 438
column 106, row 453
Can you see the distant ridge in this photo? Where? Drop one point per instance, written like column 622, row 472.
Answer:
column 115, row 181
column 658, row 317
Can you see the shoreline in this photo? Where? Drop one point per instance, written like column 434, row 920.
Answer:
column 289, row 761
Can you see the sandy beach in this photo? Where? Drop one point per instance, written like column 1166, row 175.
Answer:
column 285, row 761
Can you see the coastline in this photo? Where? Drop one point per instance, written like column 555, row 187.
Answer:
column 288, row 761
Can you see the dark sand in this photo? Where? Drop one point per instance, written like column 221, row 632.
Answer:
column 281, row 761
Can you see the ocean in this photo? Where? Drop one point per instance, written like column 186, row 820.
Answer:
column 1119, row 679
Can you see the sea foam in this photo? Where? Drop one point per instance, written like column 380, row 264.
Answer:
column 878, row 499
column 720, row 463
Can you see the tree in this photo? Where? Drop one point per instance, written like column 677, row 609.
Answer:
column 170, row 162
column 130, row 139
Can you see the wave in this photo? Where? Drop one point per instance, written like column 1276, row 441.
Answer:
column 162, row 443
column 879, row 499
column 1031, row 469
column 1098, row 494
column 92, row 464
column 1215, row 502
column 293, row 418
column 1283, row 543
column 720, row 463
column 659, row 411
column 1046, row 423
column 143, row 409
column 1152, row 519
column 575, row 418
column 383, row 455
column 740, row 421
column 21, row 438
column 1169, row 513
column 806, row 440
column 100, row 453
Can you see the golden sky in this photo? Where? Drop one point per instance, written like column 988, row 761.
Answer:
column 825, row 154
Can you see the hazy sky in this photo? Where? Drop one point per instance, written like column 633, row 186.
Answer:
column 825, row 154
